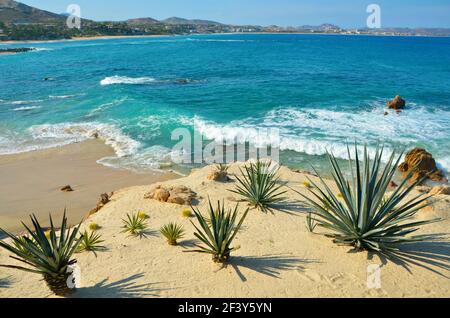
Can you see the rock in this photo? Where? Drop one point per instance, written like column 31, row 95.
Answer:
column 422, row 163
column 67, row 188
column 440, row 190
column 397, row 103
column 104, row 199
column 178, row 195
column 161, row 195
column 218, row 176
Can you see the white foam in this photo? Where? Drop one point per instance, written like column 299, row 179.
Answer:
column 25, row 108
column 62, row 96
column 25, row 102
column 316, row 131
column 72, row 132
column 41, row 49
column 116, row 80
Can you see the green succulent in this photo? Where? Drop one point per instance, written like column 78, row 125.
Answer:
column 217, row 236
column 259, row 185
column 172, row 232
column 366, row 216
column 134, row 225
column 50, row 257
column 90, row 243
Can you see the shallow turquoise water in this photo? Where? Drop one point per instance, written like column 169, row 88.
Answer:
column 319, row 91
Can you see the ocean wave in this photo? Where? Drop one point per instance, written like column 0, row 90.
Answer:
column 25, row 108
column 149, row 159
column 316, row 131
column 218, row 40
column 41, row 49
column 25, row 102
column 63, row 96
column 72, row 132
column 116, row 80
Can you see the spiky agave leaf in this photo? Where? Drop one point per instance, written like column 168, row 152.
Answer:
column 134, row 225
column 219, row 235
column 50, row 257
column 365, row 216
column 222, row 168
column 172, row 232
column 90, row 243
column 259, row 185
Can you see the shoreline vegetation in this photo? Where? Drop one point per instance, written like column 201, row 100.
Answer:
column 112, row 37
column 20, row 22
column 274, row 254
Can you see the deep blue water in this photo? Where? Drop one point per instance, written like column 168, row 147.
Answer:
column 320, row 91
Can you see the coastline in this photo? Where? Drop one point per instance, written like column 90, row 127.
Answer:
column 112, row 37
column 31, row 182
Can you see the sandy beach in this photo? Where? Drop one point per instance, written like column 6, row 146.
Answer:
column 31, row 182
column 278, row 257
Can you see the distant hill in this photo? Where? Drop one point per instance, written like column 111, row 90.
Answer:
column 176, row 20
column 142, row 21
column 19, row 13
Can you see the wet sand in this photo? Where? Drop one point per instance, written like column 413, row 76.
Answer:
column 31, row 182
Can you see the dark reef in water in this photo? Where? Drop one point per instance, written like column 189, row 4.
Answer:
column 16, row 50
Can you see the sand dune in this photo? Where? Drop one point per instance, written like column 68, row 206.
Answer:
column 278, row 256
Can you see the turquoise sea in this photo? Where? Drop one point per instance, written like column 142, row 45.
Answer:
column 320, row 91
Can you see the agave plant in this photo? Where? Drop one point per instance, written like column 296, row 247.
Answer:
column 218, row 236
column 222, row 168
column 172, row 232
column 90, row 243
column 134, row 225
column 259, row 185
column 51, row 257
column 365, row 216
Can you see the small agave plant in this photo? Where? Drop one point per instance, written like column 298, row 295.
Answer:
column 172, row 232
column 50, row 257
column 364, row 215
column 220, row 233
column 259, row 185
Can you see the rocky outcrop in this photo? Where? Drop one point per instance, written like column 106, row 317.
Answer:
column 397, row 103
column 422, row 164
column 104, row 199
column 218, row 176
column 178, row 195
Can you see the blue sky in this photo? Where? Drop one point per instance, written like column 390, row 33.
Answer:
column 345, row 13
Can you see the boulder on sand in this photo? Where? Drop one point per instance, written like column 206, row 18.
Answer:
column 178, row 195
column 422, row 164
column 67, row 188
column 397, row 103
column 104, row 199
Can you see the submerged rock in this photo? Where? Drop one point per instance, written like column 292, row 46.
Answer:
column 397, row 103
column 422, row 164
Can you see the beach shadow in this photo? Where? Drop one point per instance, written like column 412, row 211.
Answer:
column 431, row 255
column 290, row 207
column 5, row 282
column 189, row 243
column 270, row 265
column 124, row 288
